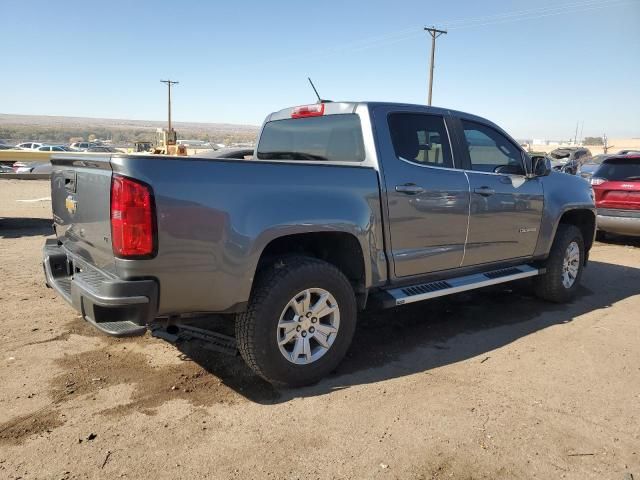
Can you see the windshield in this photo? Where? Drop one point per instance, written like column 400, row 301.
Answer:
column 620, row 170
column 560, row 155
column 335, row 138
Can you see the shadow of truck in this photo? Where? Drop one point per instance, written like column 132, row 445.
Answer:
column 17, row 227
column 423, row 336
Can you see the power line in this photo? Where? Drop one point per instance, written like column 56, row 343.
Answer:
column 390, row 38
column 563, row 8
column 521, row 17
column 531, row 14
column 405, row 34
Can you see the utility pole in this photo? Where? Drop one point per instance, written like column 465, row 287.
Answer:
column 605, row 143
column 435, row 33
column 169, row 84
column 575, row 138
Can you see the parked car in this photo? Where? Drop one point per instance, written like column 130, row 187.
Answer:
column 8, row 147
column 586, row 169
column 22, row 167
column 5, row 168
column 627, row 152
column 345, row 205
column 30, row 145
column 144, row 146
column 82, row 146
column 616, row 185
column 32, row 167
column 54, row 148
column 41, row 168
column 568, row 159
column 103, row 149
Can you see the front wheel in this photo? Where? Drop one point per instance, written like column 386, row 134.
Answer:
column 299, row 322
column 564, row 266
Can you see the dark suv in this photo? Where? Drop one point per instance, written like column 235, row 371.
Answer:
column 568, row 159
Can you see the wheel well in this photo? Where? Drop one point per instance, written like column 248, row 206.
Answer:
column 338, row 248
column 585, row 220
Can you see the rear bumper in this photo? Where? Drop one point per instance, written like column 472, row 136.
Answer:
column 117, row 307
column 622, row 222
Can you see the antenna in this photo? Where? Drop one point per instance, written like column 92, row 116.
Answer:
column 320, row 100
column 314, row 89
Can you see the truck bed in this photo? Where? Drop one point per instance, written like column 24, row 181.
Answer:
column 214, row 217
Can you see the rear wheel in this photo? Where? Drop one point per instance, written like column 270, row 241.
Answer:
column 564, row 266
column 299, row 322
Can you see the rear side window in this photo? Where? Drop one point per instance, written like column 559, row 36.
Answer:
column 335, row 138
column 420, row 139
column 619, row 170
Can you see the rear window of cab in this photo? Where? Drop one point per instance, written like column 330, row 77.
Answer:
column 333, row 138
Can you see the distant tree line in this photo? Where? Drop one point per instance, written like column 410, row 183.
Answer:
column 593, row 141
column 119, row 136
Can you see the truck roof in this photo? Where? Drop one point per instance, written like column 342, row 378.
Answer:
column 345, row 107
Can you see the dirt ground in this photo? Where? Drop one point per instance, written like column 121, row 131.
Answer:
column 489, row 385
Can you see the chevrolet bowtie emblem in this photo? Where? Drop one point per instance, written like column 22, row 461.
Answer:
column 71, row 204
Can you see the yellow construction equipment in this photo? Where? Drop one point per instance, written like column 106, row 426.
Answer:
column 167, row 143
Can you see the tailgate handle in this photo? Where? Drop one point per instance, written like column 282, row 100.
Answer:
column 69, row 181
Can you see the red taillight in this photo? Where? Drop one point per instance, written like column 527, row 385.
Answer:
column 315, row 110
column 132, row 222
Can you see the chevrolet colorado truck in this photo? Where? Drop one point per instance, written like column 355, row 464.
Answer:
column 343, row 205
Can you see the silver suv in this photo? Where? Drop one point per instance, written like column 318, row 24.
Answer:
column 83, row 146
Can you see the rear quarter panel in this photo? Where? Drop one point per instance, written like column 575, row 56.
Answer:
column 215, row 217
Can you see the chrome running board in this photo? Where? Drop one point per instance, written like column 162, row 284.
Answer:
column 425, row 291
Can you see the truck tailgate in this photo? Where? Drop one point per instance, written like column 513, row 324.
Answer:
column 80, row 198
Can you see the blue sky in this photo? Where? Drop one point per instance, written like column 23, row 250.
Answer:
column 534, row 67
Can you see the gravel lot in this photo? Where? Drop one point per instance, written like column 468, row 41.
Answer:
column 493, row 384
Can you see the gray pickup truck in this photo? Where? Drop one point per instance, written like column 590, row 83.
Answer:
column 344, row 205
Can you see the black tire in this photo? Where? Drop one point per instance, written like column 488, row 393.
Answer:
column 256, row 329
column 549, row 286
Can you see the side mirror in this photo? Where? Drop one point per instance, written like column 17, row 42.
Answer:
column 540, row 166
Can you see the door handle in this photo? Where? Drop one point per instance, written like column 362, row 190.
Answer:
column 409, row 189
column 484, row 191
